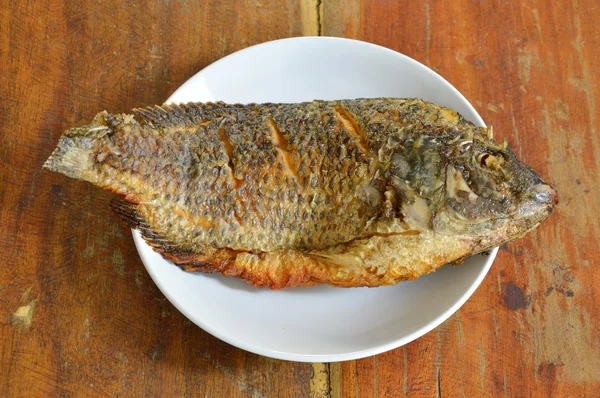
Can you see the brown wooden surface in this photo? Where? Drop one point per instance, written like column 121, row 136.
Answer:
column 80, row 316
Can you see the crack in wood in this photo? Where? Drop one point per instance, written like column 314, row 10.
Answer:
column 312, row 17
column 320, row 383
column 335, row 380
column 318, row 10
column 438, row 380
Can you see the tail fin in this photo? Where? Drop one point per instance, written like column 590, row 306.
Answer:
column 72, row 154
column 69, row 159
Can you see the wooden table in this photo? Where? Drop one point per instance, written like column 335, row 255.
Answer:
column 80, row 316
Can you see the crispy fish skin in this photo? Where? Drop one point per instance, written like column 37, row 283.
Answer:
column 364, row 192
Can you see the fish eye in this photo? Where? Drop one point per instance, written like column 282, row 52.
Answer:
column 483, row 159
column 490, row 161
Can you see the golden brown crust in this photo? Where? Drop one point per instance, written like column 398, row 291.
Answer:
column 267, row 271
column 365, row 192
column 377, row 261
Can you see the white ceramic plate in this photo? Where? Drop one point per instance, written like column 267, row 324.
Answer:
column 321, row 323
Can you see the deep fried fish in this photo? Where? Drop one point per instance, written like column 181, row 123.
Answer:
column 364, row 192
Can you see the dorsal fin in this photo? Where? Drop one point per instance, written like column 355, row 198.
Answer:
column 180, row 115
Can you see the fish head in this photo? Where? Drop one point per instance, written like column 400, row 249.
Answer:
column 488, row 192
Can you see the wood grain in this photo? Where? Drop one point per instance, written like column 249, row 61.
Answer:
column 531, row 70
column 80, row 316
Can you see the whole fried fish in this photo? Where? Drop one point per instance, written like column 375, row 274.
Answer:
column 365, row 192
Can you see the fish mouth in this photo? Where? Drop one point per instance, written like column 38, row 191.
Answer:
column 538, row 203
column 546, row 195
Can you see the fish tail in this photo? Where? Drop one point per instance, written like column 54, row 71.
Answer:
column 69, row 159
column 72, row 156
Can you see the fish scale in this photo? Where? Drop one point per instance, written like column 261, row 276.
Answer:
column 363, row 192
column 283, row 122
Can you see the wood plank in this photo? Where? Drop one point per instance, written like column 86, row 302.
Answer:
column 80, row 315
column 529, row 69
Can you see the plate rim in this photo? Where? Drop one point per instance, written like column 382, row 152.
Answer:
column 352, row 355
